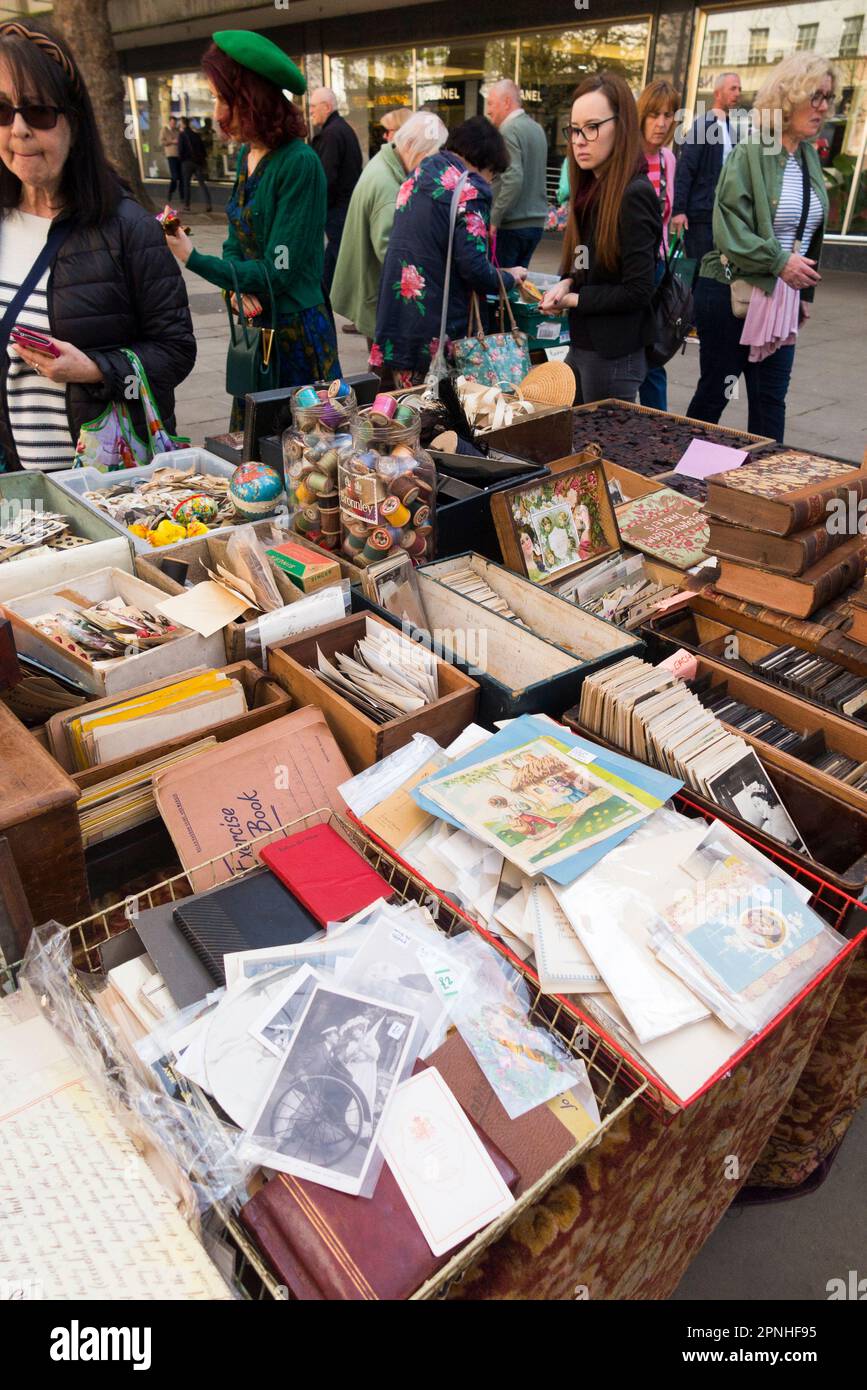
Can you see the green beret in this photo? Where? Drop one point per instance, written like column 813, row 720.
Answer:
column 259, row 54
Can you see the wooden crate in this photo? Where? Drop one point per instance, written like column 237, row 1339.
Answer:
column 266, row 700
column 361, row 741
column 38, row 818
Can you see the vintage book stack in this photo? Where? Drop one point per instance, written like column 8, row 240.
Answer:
column 785, row 529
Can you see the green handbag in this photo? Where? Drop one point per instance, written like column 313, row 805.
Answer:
column 253, row 362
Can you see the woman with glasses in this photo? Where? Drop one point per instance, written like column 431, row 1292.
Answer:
column 106, row 280
column 768, row 221
column 611, row 244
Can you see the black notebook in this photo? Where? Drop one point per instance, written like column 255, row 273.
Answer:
column 254, row 912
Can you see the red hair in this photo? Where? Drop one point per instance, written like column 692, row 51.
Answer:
column 258, row 111
column 606, row 191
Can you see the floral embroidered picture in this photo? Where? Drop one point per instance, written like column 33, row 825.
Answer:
column 477, row 230
column 411, row 285
column 558, row 523
column 405, row 192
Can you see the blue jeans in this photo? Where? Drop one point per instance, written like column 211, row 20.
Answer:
column 724, row 360
column 654, row 388
column 515, row 246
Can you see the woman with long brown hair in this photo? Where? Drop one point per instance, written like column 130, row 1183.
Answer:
column 611, row 243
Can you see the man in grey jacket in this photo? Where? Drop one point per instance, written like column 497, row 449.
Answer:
column 520, row 199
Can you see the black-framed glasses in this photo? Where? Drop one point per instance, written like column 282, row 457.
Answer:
column 818, row 97
column 590, row 131
column 38, row 115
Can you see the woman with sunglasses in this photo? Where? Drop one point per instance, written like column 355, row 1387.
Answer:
column 768, row 219
column 108, row 281
column 611, row 244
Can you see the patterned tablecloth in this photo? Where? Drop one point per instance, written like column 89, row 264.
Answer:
column 628, row 1219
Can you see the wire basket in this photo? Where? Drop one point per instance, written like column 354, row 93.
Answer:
column 615, row 1083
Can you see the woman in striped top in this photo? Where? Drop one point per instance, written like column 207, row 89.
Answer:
column 112, row 284
column 768, row 221
column 657, row 111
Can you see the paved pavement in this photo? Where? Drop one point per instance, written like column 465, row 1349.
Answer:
column 826, row 402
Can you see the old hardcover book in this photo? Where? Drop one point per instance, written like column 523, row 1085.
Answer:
column 804, row 595
column 783, row 492
column 665, row 525
column 331, row 1246
column 781, row 554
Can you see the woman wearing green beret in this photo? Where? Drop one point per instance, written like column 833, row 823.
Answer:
column 276, row 210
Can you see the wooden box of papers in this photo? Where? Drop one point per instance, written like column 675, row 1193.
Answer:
column 363, row 741
column 558, row 526
column 108, row 675
column 550, row 617
column 827, row 632
column 518, row 670
column 264, row 699
column 200, row 556
column 835, row 832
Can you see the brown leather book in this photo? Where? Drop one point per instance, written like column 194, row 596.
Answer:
column 784, row 492
column 327, row 1245
column 533, row 1143
column 804, row 595
column 790, row 555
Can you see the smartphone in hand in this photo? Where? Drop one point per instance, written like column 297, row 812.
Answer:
column 35, row 341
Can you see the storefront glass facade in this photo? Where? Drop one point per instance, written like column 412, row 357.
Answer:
column 450, row 77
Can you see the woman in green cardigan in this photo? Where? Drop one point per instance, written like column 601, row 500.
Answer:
column 276, row 210
column 770, row 190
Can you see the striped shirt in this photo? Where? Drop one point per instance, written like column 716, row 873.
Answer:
column 790, row 206
column 37, row 407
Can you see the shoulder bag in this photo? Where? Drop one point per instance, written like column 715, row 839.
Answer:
column 673, row 311
column 111, row 442
column 494, row 359
column 252, row 363
column 742, row 290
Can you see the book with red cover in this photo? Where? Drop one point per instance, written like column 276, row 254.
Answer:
column 328, row 1245
column 330, row 878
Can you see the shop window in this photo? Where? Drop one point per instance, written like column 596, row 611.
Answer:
column 369, row 84
column 451, row 78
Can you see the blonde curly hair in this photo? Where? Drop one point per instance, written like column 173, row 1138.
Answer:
column 792, row 82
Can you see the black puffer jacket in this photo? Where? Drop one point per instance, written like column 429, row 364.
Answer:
column 111, row 287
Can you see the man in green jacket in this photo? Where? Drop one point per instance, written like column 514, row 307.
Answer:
column 355, row 290
column 520, row 198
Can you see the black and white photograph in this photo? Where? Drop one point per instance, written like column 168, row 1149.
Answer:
column 321, row 1116
column 746, row 789
column 276, row 1024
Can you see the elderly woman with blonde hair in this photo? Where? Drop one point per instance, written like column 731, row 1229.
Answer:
column 755, row 286
column 393, row 120
column 369, row 220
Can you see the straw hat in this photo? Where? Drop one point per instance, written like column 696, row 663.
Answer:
column 551, row 383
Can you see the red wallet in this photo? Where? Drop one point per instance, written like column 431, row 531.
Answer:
column 326, row 875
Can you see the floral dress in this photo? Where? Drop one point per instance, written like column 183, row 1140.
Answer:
column 413, row 273
column 306, row 340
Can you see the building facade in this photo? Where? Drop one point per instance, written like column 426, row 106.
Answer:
column 378, row 54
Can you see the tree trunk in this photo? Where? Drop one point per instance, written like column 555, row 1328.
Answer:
column 85, row 26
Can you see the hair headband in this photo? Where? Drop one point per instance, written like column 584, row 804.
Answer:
column 15, row 30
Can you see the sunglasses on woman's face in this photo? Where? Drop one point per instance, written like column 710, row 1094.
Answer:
column 35, row 114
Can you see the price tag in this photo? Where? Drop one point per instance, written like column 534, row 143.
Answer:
column 557, row 354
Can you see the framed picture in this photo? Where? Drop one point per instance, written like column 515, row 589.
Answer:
column 558, row 526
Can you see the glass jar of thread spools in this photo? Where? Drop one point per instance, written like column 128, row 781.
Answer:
column 319, row 437
column 387, row 487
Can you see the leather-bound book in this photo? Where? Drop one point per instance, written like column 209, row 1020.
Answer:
column 790, row 555
column 804, row 595
column 327, row 1245
column 786, row 491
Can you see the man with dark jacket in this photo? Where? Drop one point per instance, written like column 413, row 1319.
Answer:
column 194, row 160
column 706, row 148
column 337, row 146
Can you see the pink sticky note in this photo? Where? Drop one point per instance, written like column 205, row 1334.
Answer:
column 703, row 460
